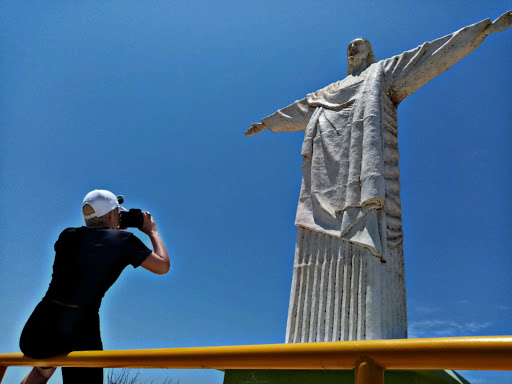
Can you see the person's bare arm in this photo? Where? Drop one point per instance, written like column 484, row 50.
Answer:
column 158, row 261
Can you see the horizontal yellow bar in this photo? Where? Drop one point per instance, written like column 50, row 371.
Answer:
column 473, row 353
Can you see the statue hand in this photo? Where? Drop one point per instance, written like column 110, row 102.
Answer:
column 255, row 129
column 500, row 24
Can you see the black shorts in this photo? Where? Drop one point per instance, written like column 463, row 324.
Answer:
column 53, row 329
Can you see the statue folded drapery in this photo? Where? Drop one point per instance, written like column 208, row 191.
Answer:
column 348, row 280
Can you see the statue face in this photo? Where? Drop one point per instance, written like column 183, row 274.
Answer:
column 357, row 51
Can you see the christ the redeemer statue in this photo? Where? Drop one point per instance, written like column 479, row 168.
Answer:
column 348, row 277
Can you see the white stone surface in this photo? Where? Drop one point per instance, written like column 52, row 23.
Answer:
column 337, row 292
column 348, row 279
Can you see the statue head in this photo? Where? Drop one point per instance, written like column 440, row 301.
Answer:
column 359, row 54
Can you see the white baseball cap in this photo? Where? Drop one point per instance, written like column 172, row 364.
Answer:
column 102, row 202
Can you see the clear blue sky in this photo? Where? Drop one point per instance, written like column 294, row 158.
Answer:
column 150, row 99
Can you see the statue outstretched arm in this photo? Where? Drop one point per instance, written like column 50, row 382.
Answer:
column 407, row 72
column 294, row 117
column 500, row 24
column 255, row 129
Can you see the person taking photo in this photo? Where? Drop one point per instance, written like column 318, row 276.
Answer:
column 88, row 260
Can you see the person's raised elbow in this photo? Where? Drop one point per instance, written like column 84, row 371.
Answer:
column 165, row 267
column 162, row 267
column 157, row 264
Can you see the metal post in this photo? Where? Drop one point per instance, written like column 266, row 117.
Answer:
column 2, row 372
column 367, row 372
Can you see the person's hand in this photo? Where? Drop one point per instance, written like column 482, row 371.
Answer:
column 255, row 129
column 500, row 24
column 149, row 225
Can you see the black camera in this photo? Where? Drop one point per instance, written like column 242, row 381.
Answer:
column 131, row 219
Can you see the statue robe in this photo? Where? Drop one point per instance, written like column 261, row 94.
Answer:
column 348, row 280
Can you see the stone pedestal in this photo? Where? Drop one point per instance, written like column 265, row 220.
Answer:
column 341, row 291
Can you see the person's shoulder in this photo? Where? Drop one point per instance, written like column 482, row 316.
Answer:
column 125, row 239
column 101, row 234
column 69, row 231
column 119, row 234
column 67, row 236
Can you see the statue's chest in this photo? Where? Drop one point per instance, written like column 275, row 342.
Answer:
column 345, row 92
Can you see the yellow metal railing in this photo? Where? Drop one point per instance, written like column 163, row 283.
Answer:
column 369, row 357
